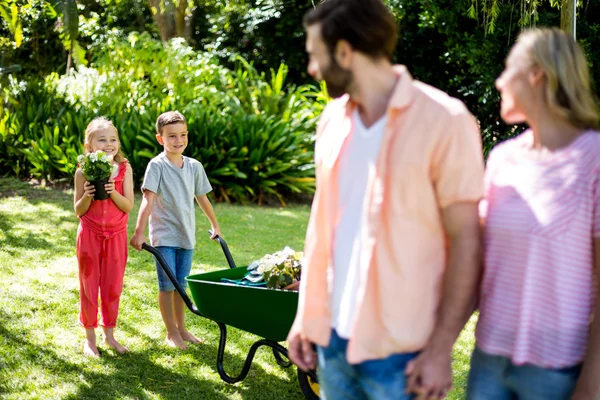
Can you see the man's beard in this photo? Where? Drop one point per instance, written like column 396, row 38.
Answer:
column 337, row 79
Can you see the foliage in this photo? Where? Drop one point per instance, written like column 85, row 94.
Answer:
column 280, row 269
column 96, row 166
column 253, row 134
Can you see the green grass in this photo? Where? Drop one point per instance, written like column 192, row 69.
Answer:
column 40, row 339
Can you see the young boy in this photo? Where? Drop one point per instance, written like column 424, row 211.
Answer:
column 171, row 183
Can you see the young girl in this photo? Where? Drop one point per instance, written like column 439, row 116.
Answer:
column 102, row 238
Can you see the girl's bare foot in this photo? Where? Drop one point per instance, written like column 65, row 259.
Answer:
column 175, row 341
column 90, row 349
column 112, row 343
column 188, row 337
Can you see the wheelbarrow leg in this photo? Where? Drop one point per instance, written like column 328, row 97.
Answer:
column 263, row 342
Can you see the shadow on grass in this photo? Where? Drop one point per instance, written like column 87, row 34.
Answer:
column 132, row 376
column 136, row 374
column 254, row 386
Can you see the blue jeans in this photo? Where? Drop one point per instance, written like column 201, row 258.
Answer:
column 375, row 379
column 497, row 378
column 180, row 264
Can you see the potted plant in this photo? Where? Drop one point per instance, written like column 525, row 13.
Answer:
column 97, row 167
column 280, row 270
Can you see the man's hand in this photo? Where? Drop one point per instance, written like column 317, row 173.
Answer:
column 430, row 375
column 137, row 240
column 300, row 351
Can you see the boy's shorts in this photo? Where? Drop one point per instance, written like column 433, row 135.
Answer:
column 180, row 263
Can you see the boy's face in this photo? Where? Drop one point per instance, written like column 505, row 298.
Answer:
column 174, row 138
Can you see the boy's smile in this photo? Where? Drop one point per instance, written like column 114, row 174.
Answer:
column 174, row 138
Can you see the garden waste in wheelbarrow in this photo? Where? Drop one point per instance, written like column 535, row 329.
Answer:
column 235, row 305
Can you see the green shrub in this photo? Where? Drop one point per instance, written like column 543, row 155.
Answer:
column 253, row 133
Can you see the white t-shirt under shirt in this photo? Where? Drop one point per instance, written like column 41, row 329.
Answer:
column 173, row 220
column 357, row 163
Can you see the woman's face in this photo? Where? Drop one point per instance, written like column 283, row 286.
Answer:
column 515, row 86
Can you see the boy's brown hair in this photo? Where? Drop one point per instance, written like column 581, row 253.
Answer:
column 169, row 118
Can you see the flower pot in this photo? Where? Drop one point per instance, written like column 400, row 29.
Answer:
column 100, row 193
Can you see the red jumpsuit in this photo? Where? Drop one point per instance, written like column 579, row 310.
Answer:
column 102, row 255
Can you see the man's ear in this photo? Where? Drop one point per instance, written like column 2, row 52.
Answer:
column 159, row 138
column 343, row 54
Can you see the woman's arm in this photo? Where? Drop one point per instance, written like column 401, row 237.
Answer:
column 123, row 201
column 588, row 386
column 84, row 194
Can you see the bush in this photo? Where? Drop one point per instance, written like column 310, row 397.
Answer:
column 253, row 134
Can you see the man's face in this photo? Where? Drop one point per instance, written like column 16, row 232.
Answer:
column 323, row 66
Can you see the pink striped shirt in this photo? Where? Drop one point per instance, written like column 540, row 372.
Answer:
column 542, row 215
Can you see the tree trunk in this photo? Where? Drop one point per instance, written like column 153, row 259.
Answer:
column 172, row 18
column 162, row 11
column 70, row 57
column 567, row 16
column 180, row 19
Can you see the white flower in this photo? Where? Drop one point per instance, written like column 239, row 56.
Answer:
column 80, row 158
column 110, row 158
column 93, row 157
column 261, row 269
column 104, row 158
column 268, row 267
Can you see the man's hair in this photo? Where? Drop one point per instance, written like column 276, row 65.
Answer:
column 169, row 118
column 367, row 25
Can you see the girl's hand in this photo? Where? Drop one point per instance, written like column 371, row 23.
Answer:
column 110, row 187
column 89, row 189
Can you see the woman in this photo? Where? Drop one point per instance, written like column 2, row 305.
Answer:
column 536, row 337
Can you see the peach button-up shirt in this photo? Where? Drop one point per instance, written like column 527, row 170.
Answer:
column 430, row 158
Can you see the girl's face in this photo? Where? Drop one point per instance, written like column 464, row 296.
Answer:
column 105, row 140
column 515, row 86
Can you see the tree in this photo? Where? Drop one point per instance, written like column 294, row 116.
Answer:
column 173, row 18
column 490, row 9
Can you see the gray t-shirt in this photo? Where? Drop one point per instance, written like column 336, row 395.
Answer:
column 173, row 221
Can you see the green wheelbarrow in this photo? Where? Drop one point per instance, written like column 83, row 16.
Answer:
column 234, row 308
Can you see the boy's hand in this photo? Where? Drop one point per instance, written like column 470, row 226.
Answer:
column 137, row 240
column 215, row 232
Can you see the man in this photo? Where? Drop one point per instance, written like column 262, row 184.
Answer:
column 392, row 245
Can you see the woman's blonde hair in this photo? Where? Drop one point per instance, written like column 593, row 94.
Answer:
column 569, row 85
column 100, row 124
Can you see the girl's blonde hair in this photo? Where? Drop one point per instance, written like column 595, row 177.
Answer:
column 100, row 124
column 569, row 85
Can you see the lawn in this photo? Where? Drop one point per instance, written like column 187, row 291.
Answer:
column 40, row 339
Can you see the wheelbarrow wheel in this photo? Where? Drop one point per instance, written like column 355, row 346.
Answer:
column 310, row 388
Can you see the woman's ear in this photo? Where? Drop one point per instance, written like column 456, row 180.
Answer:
column 536, row 75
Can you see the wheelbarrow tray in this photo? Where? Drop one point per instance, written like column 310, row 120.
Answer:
column 268, row 313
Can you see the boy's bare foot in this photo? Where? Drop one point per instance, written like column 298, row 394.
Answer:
column 112, row 343
column 175, row 341
column 90, row 349
column 188, row 337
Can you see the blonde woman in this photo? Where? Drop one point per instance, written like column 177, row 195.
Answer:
column 536, row 335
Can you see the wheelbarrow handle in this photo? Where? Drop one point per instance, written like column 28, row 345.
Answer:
column 225, row 249
column 165, row 267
